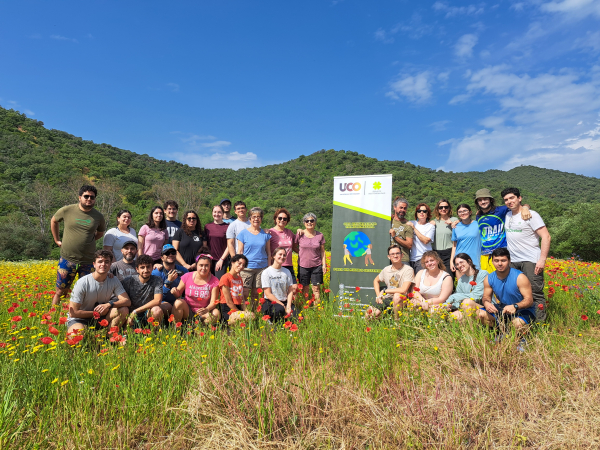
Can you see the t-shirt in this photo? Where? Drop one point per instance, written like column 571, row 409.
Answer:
column 418, row 248
column 215, row 236
column 491, row 228
column 164, row 275
column 395, row 278
column 154, row 239
column 198, row 296
column 468, row 241
column 443, row 234
column 142, row 293
column 230, row 220
column 122, row 270
column 89, row 292
column 523, row 243
column 78, row 243
column 234, row 229
column 405, row 232
column 279, row 280
column 255, row 248
column 285, row 239
column 236, row 288
column 309, row 253
column 465, row 290
column 115, row 238
column 172, row 227
column 188, row 245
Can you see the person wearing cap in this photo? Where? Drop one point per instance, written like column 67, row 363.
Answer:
column 126, row 266
column 491, row 222
column 226, row 205
column 170, row 273
column 115, row 238
column 171, row 209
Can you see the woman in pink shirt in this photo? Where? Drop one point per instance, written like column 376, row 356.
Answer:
column 200, row 290
column 312, row 263
column 153, row 235
column 284, row 238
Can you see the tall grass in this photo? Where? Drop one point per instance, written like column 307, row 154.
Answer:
column 421, row 382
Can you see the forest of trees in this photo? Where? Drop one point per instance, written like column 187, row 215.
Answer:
column 41, row 170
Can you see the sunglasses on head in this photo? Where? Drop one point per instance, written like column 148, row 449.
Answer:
column 89, row 197
column 424, row 211
column 309, row 221
column 284, row 219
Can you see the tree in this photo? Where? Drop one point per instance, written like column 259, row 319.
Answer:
column 187, row 194
column 576, row 232
column 39, row 202
column 109, row 198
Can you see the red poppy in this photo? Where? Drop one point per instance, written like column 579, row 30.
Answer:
column 416, row 289
column 146, row 331
column 46, row 340
column 113, row 329
column 62, row 320
column 273, row 302
column 171, row 318
column 104, row 323
column 213, row 328
column 137, row 330
column 294, row 327
column 598, row 311
column 368, row 329
column 287, row 324
column 259, row 290
column 242, row 325
column 201, row 334
column 70, row 341
column 231, row 311
column 410, row 295
column 584, row 317
column 266, row 317
column 104, row 350
column 3, row 344
column 327, row 291
column 261, row 300
column 357, row 288
column 178, row 324
column 346, row 305
column 96, row 315
column 300, row 318
column 16, row 319
column 288, row 315
column 540, row 306
column 54, row 331
column 31, row 314
column 11, row 309
column 472, row 283
column 78, row 338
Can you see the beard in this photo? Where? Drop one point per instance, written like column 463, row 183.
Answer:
column 129, row 258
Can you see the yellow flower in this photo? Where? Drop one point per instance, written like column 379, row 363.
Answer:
column 54, row 381
column 435, row 348
column 116, row 367
column 64, row 382
column 90, row 371
column 148, row 339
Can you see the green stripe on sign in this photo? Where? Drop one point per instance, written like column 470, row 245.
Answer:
column 356, row 208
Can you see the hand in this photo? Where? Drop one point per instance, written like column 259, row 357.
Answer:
column 218, row 265
column 455, row 223
column 172, row 276
column 489, row 307
column 102, row 309
column 509, row 309
column 379, row 299
column 448, row 222
column 452, row 268
column 175, row 292
column 288, row 309
column 300, row 232
column 525, row 213
column 109, row 275
column 157, row 266
column 202, row 311
column 425, row 305
column 325, row 268
column 410, row 224
column 59, row 243
column 539, row 267
column 392, row 232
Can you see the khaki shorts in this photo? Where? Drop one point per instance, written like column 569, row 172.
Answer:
column 251, row 278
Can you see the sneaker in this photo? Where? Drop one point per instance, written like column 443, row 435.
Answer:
column 521, row 345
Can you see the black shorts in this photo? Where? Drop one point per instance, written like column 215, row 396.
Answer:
column 292, row 272
column 224, row 310
column 311, row 275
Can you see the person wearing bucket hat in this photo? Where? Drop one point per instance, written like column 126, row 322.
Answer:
column 491, row 221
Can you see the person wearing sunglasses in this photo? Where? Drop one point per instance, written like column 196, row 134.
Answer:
column 282, row 237
column 188, row 240
column 312, row 263
column 170, row 273
column 83, row 226
column 153, row 235
column 424, row 235
column 442, row 244
column 216, row 238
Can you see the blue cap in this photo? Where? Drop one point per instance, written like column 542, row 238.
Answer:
column 225, row 200
column 166, row 248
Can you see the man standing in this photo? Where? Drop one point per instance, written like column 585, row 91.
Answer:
column 97, row 297
column 145, row 292
column 398, row 279
column 126, row 266
column 491, row 220
column 226, row 205
column 171, row 209
column 235, row 227
column 401, row 233
column 84, row 225
column 506, row 295
column 526, row 253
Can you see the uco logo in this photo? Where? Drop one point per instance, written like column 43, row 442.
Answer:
column 351, row 187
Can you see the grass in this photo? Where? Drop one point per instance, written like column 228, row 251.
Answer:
column 423, row 382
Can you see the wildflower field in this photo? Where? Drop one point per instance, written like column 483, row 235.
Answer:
column 323, row 381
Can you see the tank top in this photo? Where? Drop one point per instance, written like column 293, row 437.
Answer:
column 428, row 292
column 506, row 291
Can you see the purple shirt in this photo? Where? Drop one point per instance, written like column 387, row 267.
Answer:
column 310, row 250
column 285, row 239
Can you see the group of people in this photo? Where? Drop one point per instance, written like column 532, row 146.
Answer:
column 180, row 269
column 498, row 258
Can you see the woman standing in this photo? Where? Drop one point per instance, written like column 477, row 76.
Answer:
column 188, row 240
column 424, row 235
column 217, row 242
column 281, row 237
column 433, row 285
column 465, row 237
column 116, row 237
column 312, row 263
column 278, row 285
column 153, row 235
column 200, row 289
column 442, row 244
column 253, row 242
column 469, row 289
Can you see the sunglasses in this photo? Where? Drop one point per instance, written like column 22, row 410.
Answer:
column 283, row 219
column 191, row 218
column 464, row 212
column 89, row 197
column 395, row 254
column 422, row 211
column 170, row 253
column 309, row 221
column 443, row 207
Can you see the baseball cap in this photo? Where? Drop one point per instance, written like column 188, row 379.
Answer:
column 128, row 243
column 166, row 248
column 483, row 193
column 225, row 200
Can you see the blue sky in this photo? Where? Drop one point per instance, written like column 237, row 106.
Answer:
column 444, row 84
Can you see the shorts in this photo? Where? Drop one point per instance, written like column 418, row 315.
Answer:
column 251, row 278
column 526, row 316
column 224, row 309
column 311, row 275
column 67, row 270
column 292, row 272
column 486, row 263
column 168, row 298
column 141, row 318
column 87, row 322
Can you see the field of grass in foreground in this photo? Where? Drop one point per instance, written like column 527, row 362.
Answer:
column 423, row 382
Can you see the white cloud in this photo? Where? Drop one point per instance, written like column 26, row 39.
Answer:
column 416, row 88
column 535, row 122
column 470, row 10
column 173, row 86
column 440, row 125
column 464, row 45
column 58, row 37
column 216, row 144
column 29, row 112
column 414, row 29
column 383, row 36
column 573, row 8
column 219, row 160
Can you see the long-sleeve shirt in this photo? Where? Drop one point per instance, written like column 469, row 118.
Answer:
column 465, row 290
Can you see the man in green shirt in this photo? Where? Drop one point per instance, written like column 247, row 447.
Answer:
column 401, row 233
column 83, row 226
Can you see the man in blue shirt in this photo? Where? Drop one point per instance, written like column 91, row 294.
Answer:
column 170, row 273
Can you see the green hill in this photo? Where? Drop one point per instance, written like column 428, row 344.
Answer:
column 41, row 169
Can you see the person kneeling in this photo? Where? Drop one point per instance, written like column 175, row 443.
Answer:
column 277, row 283
column 469, row 288
column 433, row 285
column 146, row 293
column 199, row 289
column 232, row 305
column 507, row 295
column 398, row 278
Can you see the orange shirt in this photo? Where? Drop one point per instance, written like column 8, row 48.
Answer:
column 236, row 288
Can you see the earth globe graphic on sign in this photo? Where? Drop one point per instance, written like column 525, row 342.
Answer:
column 357, row 243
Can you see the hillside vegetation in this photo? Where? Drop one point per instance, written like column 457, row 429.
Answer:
column 41, row 170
